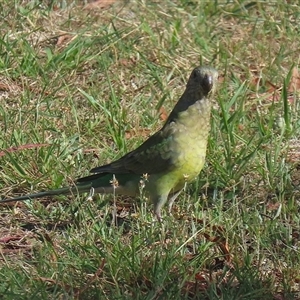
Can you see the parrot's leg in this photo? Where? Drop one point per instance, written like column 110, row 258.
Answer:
column 159, row 202
column 172, row 199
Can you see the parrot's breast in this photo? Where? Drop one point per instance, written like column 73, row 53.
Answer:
column 189, row 141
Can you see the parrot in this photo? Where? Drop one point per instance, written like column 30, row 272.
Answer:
column 166, row 161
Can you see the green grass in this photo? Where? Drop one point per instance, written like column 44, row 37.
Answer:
column 88, row 99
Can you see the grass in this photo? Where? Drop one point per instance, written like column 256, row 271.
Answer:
column 81, row 87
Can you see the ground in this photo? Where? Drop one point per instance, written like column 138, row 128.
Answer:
column 81, row 84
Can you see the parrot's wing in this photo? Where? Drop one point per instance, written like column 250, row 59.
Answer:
column 152, row 157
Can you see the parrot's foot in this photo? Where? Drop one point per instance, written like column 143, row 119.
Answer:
column 91, row 194
column 172, row 199
column 158, row 216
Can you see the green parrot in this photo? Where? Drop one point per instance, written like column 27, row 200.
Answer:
column 166, row 161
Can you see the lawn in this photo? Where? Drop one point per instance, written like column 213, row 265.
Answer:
column 81, row 84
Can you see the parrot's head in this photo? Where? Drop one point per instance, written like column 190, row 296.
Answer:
column 203, row 80
column 199, row 89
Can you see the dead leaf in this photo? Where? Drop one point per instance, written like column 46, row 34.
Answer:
column 163, row 114
column 272, row 206
column 61, row 39
column 137, row 132
column 17, row 242
column 295, row 81
column 219, row 238
column 127, row 62
column 221, row 78
column 279, row 296
column 241, row 127
column 7, row 239
column 4, row 87
column 257, row 82
column 99, row 4
column 27, row 146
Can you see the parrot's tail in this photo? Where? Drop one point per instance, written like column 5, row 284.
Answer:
column 81, row 188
